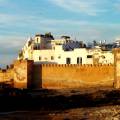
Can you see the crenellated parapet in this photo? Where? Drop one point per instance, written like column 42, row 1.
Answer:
column 57, row 76
column 77, row 65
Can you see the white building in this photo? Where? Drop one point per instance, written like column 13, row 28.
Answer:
column 46, row 49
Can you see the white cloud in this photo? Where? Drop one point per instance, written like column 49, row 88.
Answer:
column 9, row 48
column 31, row 24
column 12, row 18
column 11, row 41
column 90, row 7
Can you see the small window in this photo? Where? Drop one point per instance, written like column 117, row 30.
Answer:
column 103, row 57
column 59, row 57
column 45, row 58
column 37, row 39
column 52, row 58
column 89, row 56
column 39, row 58
column 79, row 60
column 68, row 61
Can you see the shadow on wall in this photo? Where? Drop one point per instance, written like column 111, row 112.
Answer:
column 37, row 77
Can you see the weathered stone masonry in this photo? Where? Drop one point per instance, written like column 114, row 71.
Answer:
column 76, row 76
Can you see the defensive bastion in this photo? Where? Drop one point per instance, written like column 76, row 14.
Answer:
column 27, row 74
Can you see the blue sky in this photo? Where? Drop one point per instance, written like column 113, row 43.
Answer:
column 85, row 20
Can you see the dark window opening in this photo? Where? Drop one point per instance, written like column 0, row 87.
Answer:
column 68, row 60
column 89, row 56
column 103, row 57
column 59, row 57
column 52, row 58
column 37, row 40
column 79, row 60
column 39, row 58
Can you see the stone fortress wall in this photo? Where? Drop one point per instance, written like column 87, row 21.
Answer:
column 6, row 75
column 27, row 74
column 76, row 76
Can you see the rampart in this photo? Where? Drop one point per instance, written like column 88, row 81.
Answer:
column 27, row 74
column 6, row 75
column 73, row 76
column 23, row 73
